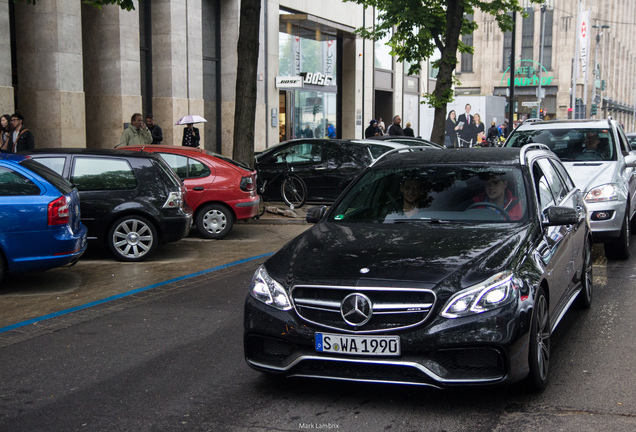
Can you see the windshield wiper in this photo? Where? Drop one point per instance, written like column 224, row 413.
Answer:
column 426, row 220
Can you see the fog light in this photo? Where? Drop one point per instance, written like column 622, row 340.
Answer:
column 602, row 215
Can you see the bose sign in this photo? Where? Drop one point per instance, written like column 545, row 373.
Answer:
column 293, row 82
column 309, row 78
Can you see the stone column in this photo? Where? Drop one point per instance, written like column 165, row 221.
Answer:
column 50, row 82
column 177, row 60
column 229, row 41
column 111, row 72
column 6, row 87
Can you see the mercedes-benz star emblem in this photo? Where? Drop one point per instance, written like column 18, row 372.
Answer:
column 356, row 309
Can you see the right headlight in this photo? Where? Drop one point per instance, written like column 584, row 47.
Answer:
column 493, row 293
column 268, row 291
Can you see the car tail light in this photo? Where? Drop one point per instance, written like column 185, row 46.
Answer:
column 59, row 212
column 174, row 201
column 247, row 184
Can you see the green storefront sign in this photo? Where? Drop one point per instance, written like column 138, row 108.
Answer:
column 527, row 74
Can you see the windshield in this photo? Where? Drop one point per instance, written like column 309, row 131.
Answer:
column 570, row 144
column 436, row 194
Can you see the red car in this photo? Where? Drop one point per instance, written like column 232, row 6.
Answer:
column 220, row 190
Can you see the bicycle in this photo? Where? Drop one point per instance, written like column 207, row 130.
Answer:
column 292, row 188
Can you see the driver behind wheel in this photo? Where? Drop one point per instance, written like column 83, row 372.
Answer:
column 496, row 192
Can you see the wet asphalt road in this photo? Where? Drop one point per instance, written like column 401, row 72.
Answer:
column 170, row 358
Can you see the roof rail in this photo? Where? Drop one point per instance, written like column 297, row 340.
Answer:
column 532, row 120
column 400, row 150
column 528, row 147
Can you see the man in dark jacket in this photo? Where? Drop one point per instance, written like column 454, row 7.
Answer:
column 21, row 139
column 155, row 129
column 395, row 128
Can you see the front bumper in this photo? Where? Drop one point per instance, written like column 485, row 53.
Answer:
column 606, row 219
column 489, row 348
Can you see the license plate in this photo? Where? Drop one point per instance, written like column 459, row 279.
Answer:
column 359, row 345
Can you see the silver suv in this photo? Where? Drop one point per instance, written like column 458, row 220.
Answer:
column 597, row 155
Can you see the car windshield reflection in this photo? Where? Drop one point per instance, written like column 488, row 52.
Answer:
column 570, row 144
column 436, row 195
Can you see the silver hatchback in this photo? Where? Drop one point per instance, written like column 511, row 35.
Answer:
column 598, row 157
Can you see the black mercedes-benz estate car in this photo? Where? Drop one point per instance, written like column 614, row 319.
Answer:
column 130, row 201
column 433, row 268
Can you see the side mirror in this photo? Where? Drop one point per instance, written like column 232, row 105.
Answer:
column 314, row 214
column 554, row 216
column 630, row 159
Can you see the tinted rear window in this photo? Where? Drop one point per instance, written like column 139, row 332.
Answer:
column 63, row 185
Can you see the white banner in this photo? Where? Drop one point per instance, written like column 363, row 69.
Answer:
column 585, row 28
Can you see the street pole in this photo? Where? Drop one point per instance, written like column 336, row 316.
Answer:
column 540, row 94
column 511, row 100
column 575, row 66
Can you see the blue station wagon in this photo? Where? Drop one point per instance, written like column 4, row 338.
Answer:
column 40, row 215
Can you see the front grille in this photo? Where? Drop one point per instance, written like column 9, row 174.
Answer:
column 392, row 308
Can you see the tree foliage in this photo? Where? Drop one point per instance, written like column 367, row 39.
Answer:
column 418, row 28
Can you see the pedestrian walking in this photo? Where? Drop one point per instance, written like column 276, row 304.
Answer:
column 308, row 131
column 372, row 130
column 155, row 129
column 136, row 133
column 331, row 131
column 408, row 131
column 493, row 135
column 381, row 125
column 395, row 128
column 191, row 136
column 21, row 138
column 6, row 129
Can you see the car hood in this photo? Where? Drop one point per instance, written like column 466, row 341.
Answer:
column 409, row 254
column 587, row 175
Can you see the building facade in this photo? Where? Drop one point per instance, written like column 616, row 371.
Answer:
column 546, row 49
column 78, row 73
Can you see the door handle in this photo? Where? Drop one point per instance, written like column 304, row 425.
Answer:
column 197, row 188
column 320, row 168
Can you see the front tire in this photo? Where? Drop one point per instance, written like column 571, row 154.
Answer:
column 214, row 221
column 539, row 358
column 619, row 249
column 132, row 238
column 294, row 191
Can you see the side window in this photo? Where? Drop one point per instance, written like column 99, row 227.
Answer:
column 378, row 150
column 559, row 190
column 564, row 175
column 54, row 163
column 196, row 169
column 15, row 184
column 542, row 187
column 298, row 153
column 179, row 164
column 624, row 143
column 102, row 174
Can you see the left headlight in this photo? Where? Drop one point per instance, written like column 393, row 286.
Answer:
column 493, row 293
column 608, row 192
column 268, row 291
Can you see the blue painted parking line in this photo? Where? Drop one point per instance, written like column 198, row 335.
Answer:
column 128, row 293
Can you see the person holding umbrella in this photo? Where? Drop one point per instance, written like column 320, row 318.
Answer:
column 191, row 135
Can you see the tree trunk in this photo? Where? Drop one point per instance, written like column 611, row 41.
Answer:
column 246, row 75
column 444, row 86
